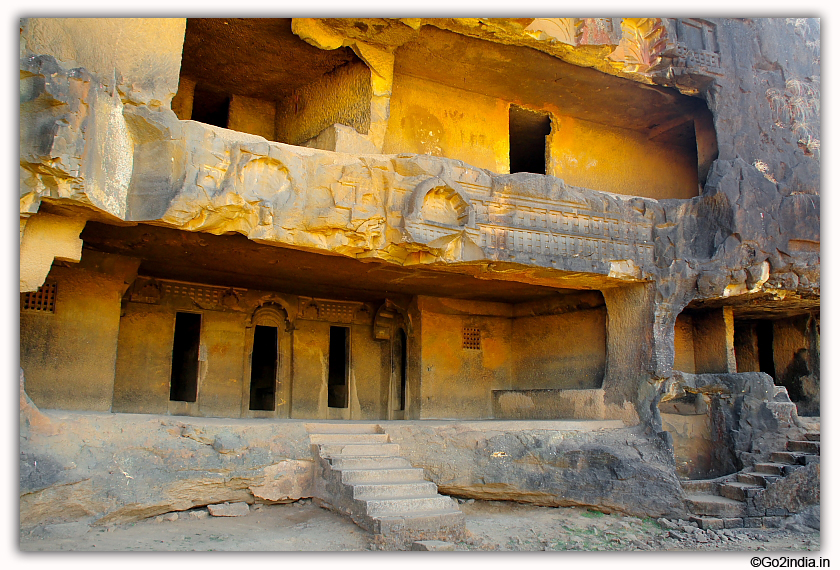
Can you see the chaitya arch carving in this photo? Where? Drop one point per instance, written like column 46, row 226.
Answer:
column 441, row 202
column 271, row 312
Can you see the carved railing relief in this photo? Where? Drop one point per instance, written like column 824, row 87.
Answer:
column 345, row 312
column 506, row 224
column 164, row 291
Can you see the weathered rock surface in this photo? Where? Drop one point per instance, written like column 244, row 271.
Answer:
column 603, row 466
column 797, row 493
column 750, row 417
column 433, row 546
column 111, row 468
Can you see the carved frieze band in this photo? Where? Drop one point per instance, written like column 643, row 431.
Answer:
column 563, row 233
column 154, row 291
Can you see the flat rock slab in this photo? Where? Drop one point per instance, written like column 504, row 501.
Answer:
column 66, row 530
column 433, row 545
column 229, row 509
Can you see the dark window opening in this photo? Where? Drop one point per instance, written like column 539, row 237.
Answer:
column 401, row 367
column 528, row 130
column 263, row 368
column 183, row 384
column 764, row 334
column 339, row 367
column 211, row 107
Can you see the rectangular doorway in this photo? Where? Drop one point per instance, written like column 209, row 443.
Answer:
column 528, row 132
column 183, row 382
column 264, row 369
column 338, row 379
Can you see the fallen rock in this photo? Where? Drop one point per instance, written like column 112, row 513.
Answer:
column 171, row 517
column 199, row 514
column 229, row 509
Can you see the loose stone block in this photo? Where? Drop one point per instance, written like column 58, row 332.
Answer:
column 229, row 509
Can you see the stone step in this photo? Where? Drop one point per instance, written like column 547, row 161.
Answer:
column 715, row 506
column 696, row 486
column 804, row 446
column 390, row 489
column 756, row 478
column 380, row 449
column 738, row 491
column 409, row 506
column 343, row 427
column 428, row 521
column 369, row 462
column 792, row 457
column 777, row 469
column 345, row 438
column 359, row 476
column 812, row 436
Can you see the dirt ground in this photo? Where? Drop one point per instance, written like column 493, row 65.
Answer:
column 491, row 526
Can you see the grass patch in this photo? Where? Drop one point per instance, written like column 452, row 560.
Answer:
column 592, row 514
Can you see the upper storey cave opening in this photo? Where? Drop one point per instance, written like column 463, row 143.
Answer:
column 463, row 98
column 255, row 76
column 501, row 107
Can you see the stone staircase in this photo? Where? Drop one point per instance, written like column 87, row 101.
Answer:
column 364, row 477
column 737, row 500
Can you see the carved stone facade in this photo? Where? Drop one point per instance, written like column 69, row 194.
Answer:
column 343, row 232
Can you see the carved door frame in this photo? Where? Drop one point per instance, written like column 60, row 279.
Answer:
column 272, row 315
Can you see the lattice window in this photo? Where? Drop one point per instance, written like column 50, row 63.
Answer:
column 472, row 338
column 337, row 312
column 42, row 300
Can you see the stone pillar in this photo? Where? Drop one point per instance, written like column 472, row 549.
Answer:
column 630, row 319
column 714, row 341
column 182, row 103
column 253, row 116
column 69, row 355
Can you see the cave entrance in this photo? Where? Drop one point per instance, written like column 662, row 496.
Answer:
column 764, row 342
column 528, row 132
column 183, row 383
